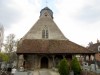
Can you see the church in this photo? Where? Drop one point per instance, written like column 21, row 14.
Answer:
column 44, row 45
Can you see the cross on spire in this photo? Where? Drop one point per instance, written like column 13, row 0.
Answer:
column 46, row 3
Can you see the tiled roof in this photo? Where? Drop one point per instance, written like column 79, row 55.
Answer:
column 50, row 46
column 94, row 47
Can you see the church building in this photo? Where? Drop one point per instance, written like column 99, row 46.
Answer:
column 44, row 45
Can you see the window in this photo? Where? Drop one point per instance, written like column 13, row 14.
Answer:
column 45, row 32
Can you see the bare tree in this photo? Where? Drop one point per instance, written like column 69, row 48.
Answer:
column 10, row 44
column 10, row 47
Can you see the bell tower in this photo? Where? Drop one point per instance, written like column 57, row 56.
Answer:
column 46, row 12
column 45, row 27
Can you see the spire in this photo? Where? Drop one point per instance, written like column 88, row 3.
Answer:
column 46, row 3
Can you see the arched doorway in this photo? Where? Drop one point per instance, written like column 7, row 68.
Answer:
column 44, row 62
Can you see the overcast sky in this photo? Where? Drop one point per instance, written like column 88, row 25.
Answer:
column 79, row 20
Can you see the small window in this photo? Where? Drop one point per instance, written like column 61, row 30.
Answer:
column 45, row 15
column 98, row 48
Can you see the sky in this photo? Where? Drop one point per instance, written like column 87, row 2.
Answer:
column 79, row 20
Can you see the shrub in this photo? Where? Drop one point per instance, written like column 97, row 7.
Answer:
column 75, row 66
column 63, row 67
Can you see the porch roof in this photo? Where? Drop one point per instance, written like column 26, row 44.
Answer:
column 50, row 46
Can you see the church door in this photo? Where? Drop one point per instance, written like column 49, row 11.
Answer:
column 44, row 62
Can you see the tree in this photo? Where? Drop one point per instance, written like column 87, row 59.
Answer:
column 10, row 43
column 10, row 47
column 4, row 57
column 75, row 66
column 63, row 67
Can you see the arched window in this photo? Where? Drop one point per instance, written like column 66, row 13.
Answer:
column 45, row 32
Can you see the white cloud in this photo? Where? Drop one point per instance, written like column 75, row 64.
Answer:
column 91, row 12
column 29, row 13
column 77, row 19
column 69, row 15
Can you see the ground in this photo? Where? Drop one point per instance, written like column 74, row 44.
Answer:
column 44, row 72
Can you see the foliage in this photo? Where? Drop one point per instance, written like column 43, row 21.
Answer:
column 4, row 57
column 63, row 67
column 75, row 66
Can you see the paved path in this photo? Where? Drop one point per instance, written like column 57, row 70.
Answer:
column 45, row 72
column 38, row 72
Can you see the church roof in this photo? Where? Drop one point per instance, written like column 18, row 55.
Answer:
column 50, row 46
column 45, row 22
column 54, row 41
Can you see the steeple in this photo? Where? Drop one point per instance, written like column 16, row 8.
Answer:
column 45, row 27
column 45, row 12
